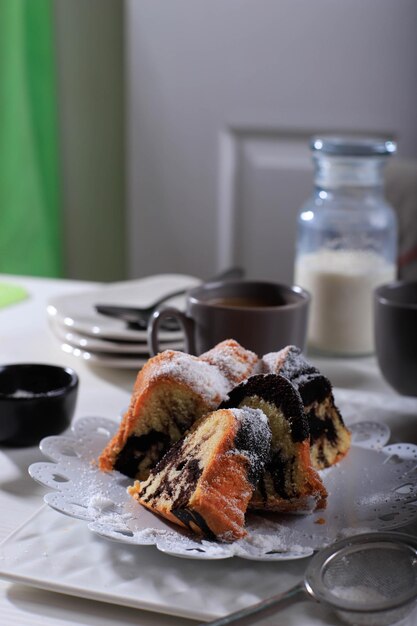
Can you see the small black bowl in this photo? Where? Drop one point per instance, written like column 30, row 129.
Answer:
column 36, row 400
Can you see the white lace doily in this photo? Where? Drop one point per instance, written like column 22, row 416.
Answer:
column 373, row 488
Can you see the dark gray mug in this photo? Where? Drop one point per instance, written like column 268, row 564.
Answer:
column 395, row 312
column 261, row 316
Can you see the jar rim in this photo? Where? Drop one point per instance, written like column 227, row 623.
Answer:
column 340, row 145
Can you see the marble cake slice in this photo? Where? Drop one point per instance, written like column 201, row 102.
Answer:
column 206, row 480
column 329, row 437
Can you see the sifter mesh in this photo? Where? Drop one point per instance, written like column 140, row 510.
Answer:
column 369, row 579
column 371, row 576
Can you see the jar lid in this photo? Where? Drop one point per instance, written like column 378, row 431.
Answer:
column 352, row 146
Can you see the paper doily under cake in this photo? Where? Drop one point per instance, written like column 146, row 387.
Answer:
column 373, row 488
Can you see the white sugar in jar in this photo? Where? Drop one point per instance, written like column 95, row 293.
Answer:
column 346, row 242
column 341, row 312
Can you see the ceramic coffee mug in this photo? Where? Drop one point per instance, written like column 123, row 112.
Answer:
column 261, row 316
column 395, row 311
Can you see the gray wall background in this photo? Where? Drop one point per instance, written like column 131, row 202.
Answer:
column 90, row 70
column 112, row 75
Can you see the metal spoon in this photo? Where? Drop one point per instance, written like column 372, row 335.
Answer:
column 137, row 317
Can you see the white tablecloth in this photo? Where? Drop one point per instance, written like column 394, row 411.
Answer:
column 26, row 337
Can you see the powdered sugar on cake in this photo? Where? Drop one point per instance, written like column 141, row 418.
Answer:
column 289, row 362
column 251, row 417
column 235, row 363
column 203, row 378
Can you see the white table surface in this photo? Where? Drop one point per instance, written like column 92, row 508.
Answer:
column 26, row 337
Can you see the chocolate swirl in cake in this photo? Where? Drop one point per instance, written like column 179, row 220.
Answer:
column 288, row 483
column 277, row 391
column 329, row 437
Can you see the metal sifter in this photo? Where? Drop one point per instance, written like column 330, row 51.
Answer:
column 368, row 579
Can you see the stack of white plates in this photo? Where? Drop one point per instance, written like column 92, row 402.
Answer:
column 108, row 341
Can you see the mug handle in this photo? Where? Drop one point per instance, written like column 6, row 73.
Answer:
column 153, row 327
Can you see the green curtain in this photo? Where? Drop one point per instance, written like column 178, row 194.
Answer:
column 30, row 241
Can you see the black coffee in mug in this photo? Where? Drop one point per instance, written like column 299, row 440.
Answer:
column 261, row 316
column 244, row 302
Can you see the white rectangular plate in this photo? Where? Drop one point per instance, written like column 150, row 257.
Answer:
column 57, row 553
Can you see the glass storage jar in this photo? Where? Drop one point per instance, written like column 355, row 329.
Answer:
column 346, row 242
